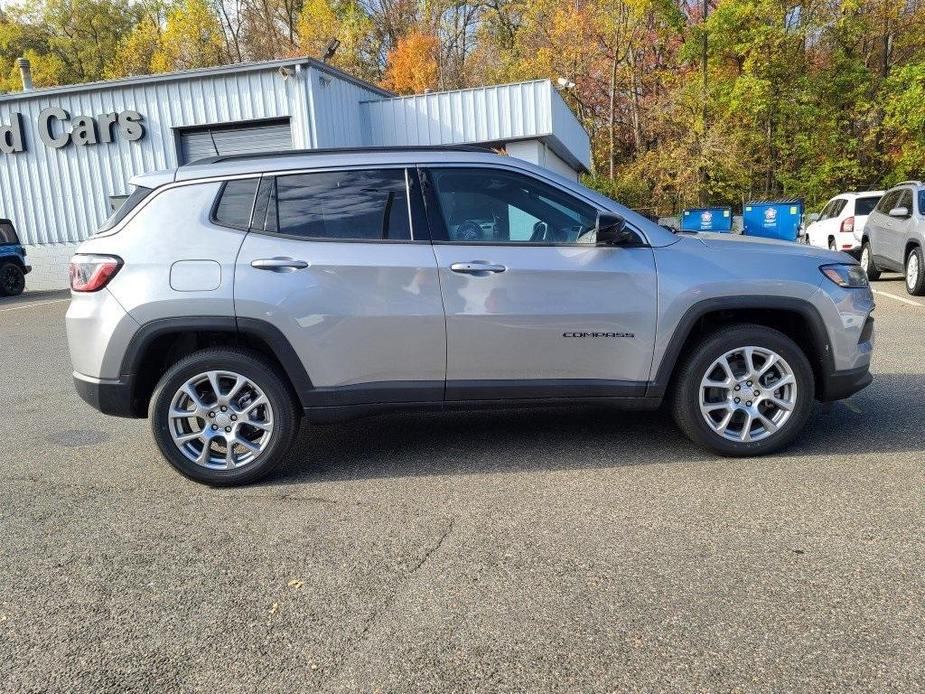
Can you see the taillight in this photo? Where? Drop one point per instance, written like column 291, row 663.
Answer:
column 90, row 273
column 847, row 224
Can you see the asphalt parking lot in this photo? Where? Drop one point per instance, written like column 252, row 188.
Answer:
column 565, row 550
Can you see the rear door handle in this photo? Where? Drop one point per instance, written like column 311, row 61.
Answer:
column 477, row 267
column 279, row 264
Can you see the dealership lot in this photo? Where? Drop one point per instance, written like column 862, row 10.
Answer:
column 567, row 550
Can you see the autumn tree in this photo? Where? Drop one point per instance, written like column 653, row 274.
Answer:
column 412, row 65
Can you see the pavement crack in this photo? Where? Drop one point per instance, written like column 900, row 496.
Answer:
column 391, row 598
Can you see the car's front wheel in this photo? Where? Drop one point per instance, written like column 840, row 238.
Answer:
column 12, row 280
column 867, row 262
column 744, row 390
column 222, row 417
column 915, row 272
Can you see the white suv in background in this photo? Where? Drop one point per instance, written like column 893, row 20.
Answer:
column 840, row 225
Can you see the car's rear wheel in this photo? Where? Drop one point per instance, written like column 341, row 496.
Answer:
column 745, row 390
column 12, row 280
column 915, row 272
column 867, row 262
column 832, row 246
column 221, row 417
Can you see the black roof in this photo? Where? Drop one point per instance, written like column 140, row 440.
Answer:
column 340, row 150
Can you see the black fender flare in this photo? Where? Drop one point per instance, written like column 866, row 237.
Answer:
column 818, row 333
column 268, row 333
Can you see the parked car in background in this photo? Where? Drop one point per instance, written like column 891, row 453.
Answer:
column 840, row 225
column 895, row 235
column 237, row 296
column 13, row 267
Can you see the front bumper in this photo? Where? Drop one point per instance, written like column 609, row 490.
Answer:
column 840, row 384
column 112, row 397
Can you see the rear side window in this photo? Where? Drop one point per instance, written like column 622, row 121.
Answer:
column 131, row 202
column 342, row 206
column 236, row 203
column 864, row 206
column 8, row 234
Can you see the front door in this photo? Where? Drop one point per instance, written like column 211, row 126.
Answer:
column 341, row 264
column 534, row 308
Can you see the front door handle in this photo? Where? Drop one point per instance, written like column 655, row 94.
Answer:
column 279, row 264
column 477, row 267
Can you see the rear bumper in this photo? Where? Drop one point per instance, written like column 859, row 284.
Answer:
column 840, row 384
column 112, row 397
column 26, row 269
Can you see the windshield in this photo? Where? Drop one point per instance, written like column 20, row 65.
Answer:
column 864, row 206
column 131, row 202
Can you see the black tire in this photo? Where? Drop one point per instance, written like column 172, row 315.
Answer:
column 286, row 416
column 832, row 246
column 873, row 272
column 917, row 286
column 685, row 403
column 12, row 280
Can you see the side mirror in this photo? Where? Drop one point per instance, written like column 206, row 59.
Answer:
column 612, row 231
column 901, row 212
column 813, row 217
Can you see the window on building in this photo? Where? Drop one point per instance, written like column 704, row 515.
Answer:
column 342, row 205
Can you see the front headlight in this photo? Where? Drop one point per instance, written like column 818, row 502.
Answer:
column 847, row 276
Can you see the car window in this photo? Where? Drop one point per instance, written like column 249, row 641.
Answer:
column 8, row 234
column 826, row 211
column 921, row 201
column 131, row 202
column 886, row 202
column 235, row 203
column 864, row 206
column 342, row 205
column 905, row 200
column 493, row 206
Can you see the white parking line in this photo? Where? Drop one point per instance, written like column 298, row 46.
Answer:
column 37, row 303
column 898, row 298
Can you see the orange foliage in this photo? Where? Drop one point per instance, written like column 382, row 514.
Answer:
column 412, row 65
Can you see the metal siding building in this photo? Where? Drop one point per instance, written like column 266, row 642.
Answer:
column 57, row 190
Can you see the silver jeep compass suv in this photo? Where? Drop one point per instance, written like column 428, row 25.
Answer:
column 230, row 298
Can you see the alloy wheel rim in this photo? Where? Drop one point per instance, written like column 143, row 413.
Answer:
column 865, row 258
column 220, row 420
column 10, row 279
column 748, row 394
column 912, row 271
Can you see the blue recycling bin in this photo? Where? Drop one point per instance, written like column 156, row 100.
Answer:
column 773, row 219
column 707, row 219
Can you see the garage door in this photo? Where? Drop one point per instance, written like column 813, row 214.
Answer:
column 210, row 141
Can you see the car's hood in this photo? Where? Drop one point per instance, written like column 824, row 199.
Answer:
column 755, row 244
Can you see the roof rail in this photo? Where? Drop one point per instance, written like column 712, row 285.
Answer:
column 908, row 183
column 484, row 149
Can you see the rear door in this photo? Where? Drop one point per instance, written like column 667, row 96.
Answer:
column 534, row 308
column 339, row 261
